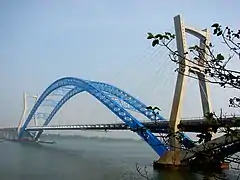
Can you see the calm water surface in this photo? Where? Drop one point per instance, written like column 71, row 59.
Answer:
column 81, row 158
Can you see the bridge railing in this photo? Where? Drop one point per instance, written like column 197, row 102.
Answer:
column 202, row 117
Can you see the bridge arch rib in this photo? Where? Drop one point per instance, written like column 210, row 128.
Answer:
column 135, row 103
column 127, row 98
column 120, row 94
column 63, row 100
column 82, row 85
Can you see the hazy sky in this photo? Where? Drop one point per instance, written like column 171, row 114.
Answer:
column 41, row 41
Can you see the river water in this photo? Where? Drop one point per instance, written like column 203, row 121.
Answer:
column 82, row 158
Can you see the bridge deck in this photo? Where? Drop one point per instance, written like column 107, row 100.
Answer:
column 199, row 125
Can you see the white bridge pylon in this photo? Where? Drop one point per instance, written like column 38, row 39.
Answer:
column 25, row 108
column 184, row 63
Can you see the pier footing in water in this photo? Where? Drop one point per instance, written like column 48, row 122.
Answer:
column 171, row 160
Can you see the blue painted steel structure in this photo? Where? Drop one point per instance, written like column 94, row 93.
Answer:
column 110, row 90
column 107, row 94
column 100, row 91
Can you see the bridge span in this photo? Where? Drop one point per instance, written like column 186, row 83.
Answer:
column 121, row 104
column 193, row 125
column 197, row 126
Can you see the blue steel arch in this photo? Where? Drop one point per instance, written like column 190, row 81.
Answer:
column 126, row 117
column 139, row 106
column 63, row 100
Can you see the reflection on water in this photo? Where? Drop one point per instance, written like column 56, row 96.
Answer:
column 82, row 158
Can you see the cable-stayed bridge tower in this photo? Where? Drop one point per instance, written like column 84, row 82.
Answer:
column 203, row 35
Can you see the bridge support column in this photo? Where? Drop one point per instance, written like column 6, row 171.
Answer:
column 25, row 107
column 23, row 112
column 172, row 157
